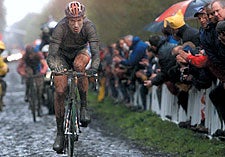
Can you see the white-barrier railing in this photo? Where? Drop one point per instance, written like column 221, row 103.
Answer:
column 166, row 106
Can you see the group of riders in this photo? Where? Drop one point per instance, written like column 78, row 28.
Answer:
column 71, row 43
column 34, row 62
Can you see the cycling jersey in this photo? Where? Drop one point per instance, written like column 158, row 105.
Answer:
column 66, row 43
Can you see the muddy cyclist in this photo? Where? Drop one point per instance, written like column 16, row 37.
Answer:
column 68, row 49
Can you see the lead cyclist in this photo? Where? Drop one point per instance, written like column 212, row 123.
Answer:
column 68, row 50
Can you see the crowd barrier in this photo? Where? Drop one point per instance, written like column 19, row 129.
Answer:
column 164, row 104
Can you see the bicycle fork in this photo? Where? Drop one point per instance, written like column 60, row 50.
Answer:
column 68, row 114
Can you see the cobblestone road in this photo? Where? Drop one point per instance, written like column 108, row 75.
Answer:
column 21, row 137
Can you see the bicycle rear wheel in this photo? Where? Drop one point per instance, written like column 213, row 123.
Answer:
column 33, row 110
column 33, row 100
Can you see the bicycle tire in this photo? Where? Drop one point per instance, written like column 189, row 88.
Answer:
column 70, row 138
column 75, row 117
column 33, row 104
column 50, row 95
column 33, row 99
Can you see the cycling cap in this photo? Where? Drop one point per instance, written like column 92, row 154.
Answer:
column 2, row 45
column 75, row 10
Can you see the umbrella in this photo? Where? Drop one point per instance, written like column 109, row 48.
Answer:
column 188, row 8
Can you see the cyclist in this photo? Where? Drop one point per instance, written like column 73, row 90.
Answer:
column 33, row 63
column 69, row 49
column 3, row 71
column 47, row 30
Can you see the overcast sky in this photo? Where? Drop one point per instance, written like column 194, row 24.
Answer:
column 18, row 9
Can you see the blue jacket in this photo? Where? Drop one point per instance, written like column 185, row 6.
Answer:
column 138, row 52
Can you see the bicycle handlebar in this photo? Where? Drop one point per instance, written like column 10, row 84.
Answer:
column 74, row 73
column 34, row 76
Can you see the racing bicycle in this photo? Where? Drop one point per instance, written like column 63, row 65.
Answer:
column 33, row 93
column 72, row 112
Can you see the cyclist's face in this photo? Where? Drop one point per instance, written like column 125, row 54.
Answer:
column 76, row 24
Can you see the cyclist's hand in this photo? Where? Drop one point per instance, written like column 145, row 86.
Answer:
column 91, row 71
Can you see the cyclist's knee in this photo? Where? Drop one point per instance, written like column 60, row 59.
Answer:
column 60, row 94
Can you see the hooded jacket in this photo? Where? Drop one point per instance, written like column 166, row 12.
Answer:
column 138, row 52
column 166, row 62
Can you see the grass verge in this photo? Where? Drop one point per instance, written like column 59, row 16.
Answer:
column 148, row 130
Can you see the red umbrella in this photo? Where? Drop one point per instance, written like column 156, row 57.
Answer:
column 173, row 10
column 188, row 8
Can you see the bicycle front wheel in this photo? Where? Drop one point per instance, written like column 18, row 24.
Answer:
column 70, row 136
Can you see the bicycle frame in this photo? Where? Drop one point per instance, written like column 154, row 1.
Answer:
column 71, row 122
column 72, row 104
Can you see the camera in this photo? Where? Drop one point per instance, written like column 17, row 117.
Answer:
column 184, row 74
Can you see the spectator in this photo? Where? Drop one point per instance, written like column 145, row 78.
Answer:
column 217, row 94
column 214, row 50
column 181, row 30
column 138, row 48
column 196, row 59
column 218, row 7
column 138, row 51
column 167, row 32
column 163, row 50
column 144, row 74
column 210, row 13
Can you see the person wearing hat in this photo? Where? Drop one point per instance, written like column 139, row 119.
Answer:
column 202, row 17
column 181, row 30
column 199, row 60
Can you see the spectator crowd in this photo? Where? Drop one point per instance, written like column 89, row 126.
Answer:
column 181, row 58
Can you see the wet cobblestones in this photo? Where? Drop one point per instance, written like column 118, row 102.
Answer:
column 21, row 137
